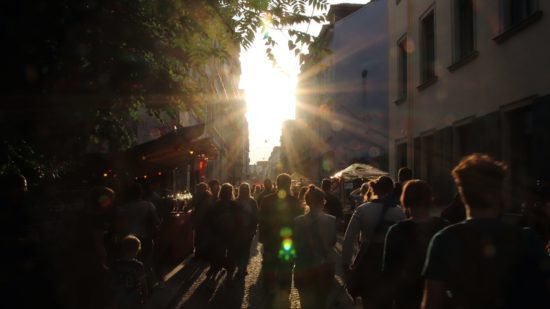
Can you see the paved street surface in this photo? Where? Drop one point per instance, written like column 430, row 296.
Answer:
column 194, row 291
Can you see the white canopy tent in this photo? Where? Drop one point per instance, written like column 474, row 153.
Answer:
column 359, row 170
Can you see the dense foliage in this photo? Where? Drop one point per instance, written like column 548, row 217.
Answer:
column 75, row 73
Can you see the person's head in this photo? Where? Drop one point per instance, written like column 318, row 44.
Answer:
column 226, row 192
column 283, row 182
column 382, row 186
column 214, row 187
column 326, row 184
column 134, row 192
column 130, row 246
column 101, row 199
column 480, row 180
column 244, row 190
column 416, row 194
column 14, row 186
column 315, row 197
column 404, row 174
column 202, row 189
column 268, row 185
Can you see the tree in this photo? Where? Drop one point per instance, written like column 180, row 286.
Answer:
column 75, row 73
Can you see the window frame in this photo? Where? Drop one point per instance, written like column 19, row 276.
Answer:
column 458, row 52
column 505, row 15
column 507, row 30
column 427, row 79
column 402, row 75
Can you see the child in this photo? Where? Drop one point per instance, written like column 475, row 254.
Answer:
column 129, row 275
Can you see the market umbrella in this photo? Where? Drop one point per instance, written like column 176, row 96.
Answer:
column 359, row 170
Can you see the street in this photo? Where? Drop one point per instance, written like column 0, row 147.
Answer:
column 195, row 292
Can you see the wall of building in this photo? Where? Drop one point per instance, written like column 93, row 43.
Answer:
column 359, row 65
column 344, row 95
column 468, row 107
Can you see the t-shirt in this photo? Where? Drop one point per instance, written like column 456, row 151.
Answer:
column 364, row 221
column 404, row 255
column 487, row 263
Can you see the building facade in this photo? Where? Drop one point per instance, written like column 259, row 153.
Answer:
column 343, row 91
column 469, row 76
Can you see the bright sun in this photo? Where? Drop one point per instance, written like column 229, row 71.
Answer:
column 270, row 98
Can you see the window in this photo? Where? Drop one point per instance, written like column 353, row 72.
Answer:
column 427, row 69
column 515, row 11
column 402, row 68
column 464, row 28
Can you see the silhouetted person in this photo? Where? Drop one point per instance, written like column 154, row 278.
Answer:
column 129, row 279
column 403, row 175
column 214, row 189
column 84, row 266
column 332, row 206
column 225, row 220
column 25, row 265
column 268, row 189
column 314, row 237
column 277, row 213
column 248, row 226
column 406, row 245
column 139, row 217
column 455, row 211
column 371, row 220
column 484, row 262
column 200, row 206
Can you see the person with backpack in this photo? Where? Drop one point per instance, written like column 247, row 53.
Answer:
column 406, row 245
column 314, row 237
column 483, row 262
column 371, row 221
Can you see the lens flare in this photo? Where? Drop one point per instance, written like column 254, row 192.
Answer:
column 287, row 244
column 285, row 232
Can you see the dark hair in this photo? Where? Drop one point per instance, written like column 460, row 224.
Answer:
column 98, row 193
column 314, row 196
column 201, row 187
column 416, row 193
column 213, row 182
column 12, row 181
column 325, row 184
column 404, row 174
column 134, row 191
column 130, row 245
column 244, row 190
column 383, row 185
column 226, row 192
column 284, row 181
column 479, row 179
column 267, row 182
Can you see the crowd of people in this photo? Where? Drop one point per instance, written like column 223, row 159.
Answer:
column 100, row 255
column 397, row 252
column 407, row 257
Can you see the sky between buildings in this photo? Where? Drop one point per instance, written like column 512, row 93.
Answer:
column 270, row 90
